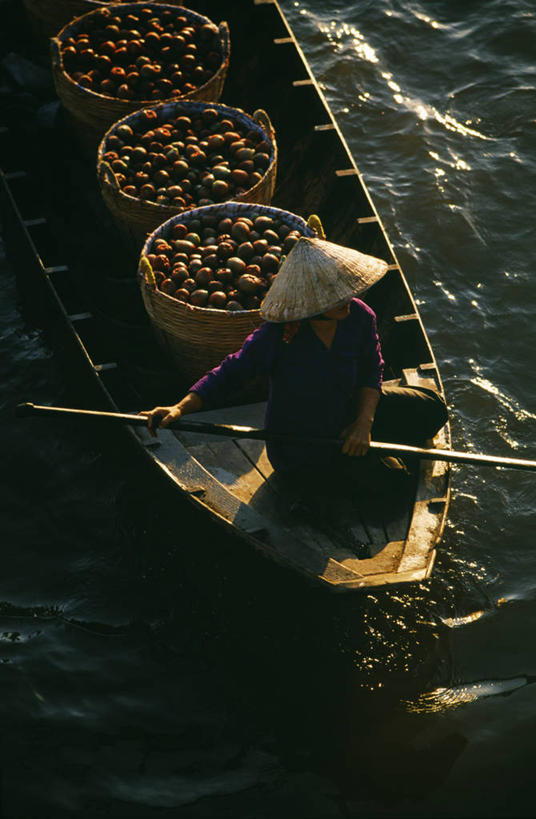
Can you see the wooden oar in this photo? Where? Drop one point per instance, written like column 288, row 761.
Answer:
column 232, row 431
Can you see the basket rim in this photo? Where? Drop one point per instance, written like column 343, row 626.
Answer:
column 189, row 13
column 192, row 213
column 154, row 206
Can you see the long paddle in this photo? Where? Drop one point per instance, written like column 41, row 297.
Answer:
column 232, row 431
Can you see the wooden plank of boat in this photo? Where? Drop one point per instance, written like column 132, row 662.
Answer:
column 232, row 481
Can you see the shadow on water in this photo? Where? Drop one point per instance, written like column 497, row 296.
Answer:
column 321, row 682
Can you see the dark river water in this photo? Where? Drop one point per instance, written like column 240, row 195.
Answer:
column 137, row 682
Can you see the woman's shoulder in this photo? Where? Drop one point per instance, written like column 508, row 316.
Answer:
column 267, row 335
column 269, row 330
column 361, row 311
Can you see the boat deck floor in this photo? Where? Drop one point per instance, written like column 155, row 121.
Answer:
column 354, row 524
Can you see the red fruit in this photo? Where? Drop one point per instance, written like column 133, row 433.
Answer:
column 174, row 190
column 179, row 169
column 217, row 299
column 119, row 166
column 117, row 73
column 199, row 298
column 260, row 246
column 121, row 55
column 165, row 87
column 162, row 177
column 269, row 263
column 220, row 189
column 245, row 250
column 162, row 262
column 224, row 275
column 248, row 284
column 107, row 48
column 183, row 246
column 124, row 92
column 271, row 237
column 148, row 191
column 261, row 160
column 148, row 116
column 168, row 286
column 134, row 48
column 225, row 250
column 239, row 177
column 212, row 260
column 289, row 243
column 179, row 231
column 236, row 265
column 112, row 29
column 203, row 276
column 194, row 265
column 254, row 178
column 150, row 71
column 179, row 274
column 187, row 62
column 229, row 136
column 139, row 154
column 152, row 39
column 69, row 53
column 182, row 294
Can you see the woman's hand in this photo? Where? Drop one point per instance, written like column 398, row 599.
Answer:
column 356, row 438
column 161, row 417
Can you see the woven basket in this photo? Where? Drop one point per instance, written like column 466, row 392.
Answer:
column 47, row 17
column 198, row 338
column 135, row 217
column 92, row 113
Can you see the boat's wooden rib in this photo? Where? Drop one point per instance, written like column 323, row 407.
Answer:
column 388, row 537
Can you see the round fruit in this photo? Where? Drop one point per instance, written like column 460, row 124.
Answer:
column 195, row 263
column 153, row 42
column 190, row 162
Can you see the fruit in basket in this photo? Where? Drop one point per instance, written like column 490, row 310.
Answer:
column 189, row 161
column 192, row 263
column 143, row 54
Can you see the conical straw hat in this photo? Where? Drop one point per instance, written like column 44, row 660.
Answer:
column 317, row 276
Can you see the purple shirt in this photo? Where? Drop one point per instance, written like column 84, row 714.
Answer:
column 313, row 390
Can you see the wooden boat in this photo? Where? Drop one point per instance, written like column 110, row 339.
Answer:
column 66, row 246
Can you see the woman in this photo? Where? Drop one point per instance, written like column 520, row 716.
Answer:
column 319, row 348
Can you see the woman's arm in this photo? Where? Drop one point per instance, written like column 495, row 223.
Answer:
column 254, row 358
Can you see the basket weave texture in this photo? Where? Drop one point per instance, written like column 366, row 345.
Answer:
column 47, row 17
column 135, row 217
column 198, row 338
column 93, row 113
